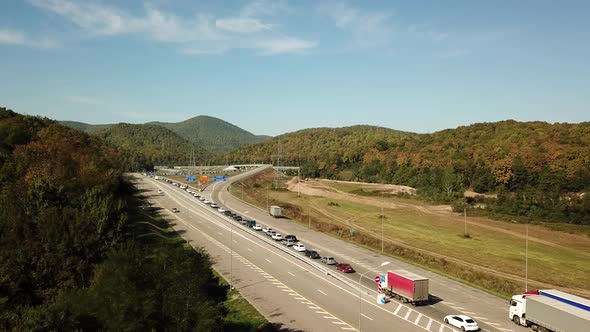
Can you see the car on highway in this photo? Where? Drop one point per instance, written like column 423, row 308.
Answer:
column 266, row 229
column 288, row 243
column 463, row 322
column 237, row 217
column 228, row 213
column 202, row 198
column 257, row 227
column 196, row 195
column 299, row 247
column 344, row 267
column 207, row 201
column 271, row 233
column 329, row 260
column 277, row 237
column 160, row 191
column 313, row 254
column 214, row 205
column 221, row 210
column 291, row 237
column 174, row 210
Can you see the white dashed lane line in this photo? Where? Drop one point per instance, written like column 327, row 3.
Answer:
column 367, row 317
column 249, row 249
column 290, row 273
column 268, row 260
column 322, row 292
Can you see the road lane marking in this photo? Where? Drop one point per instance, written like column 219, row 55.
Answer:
column 348, row 328
column 290, row 273
column 397, row 310
column 320, row 312
column 322, row 292
column 408, row 314
column 417, row 319
column 313, row 307
column 367, row 317
column 268, row 260
column 482, row 318
column 429, row 324
column 495, row 324
column 249, row 249
column 338, row 323
column 330, row 317
column 442, row 328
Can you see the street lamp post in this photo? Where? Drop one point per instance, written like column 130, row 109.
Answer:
column 360, row 299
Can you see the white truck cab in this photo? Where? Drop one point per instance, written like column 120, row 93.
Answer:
column 518, row 309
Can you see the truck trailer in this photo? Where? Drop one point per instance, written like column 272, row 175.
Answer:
column 276, row 211
column 407, row 286
column 551, row 310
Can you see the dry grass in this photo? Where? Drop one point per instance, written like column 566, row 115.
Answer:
column 491, row 257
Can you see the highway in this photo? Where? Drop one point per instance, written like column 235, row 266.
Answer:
column 302, row 294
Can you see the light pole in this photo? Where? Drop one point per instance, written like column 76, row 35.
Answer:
column 526, row 255
column 360, row 299
column 382, row 217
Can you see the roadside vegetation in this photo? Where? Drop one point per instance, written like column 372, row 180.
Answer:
column 77, row 252
column 489, row 255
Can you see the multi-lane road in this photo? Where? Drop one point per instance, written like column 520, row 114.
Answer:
column 302, row 294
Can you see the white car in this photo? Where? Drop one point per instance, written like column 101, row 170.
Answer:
column 299, row 247
column 202, row 198
column 266, row 229
column 207, row 202
column 215, row 206
column 160, row 191
column 465, row 323
column 277, row 237
column 257, row 227
column 221, row 210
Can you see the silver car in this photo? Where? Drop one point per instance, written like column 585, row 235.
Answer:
column 329, row 260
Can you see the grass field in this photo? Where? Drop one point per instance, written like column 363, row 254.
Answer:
column 491, row 257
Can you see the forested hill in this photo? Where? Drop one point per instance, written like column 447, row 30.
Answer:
column 213, row 134
column 537, row 169
column 76, row 254
column 152, row 144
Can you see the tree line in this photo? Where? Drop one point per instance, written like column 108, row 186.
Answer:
column 535, row 169
column 72, row 257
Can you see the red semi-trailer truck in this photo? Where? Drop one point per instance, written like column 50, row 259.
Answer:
column 407, row 286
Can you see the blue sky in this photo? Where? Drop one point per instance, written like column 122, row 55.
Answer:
column 273, row 67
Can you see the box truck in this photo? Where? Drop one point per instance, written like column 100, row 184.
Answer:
column 276, row 211
column 551, row 310
column 407, row 286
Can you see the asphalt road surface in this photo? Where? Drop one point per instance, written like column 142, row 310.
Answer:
column 302, row 294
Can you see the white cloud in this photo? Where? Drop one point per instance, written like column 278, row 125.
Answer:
column 284, row 45
column 197, row 34
column 82, row 100
column 13, row 37
column 241, row 25
column 368, row 29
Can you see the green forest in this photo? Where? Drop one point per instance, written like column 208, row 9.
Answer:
column 72, row 254
column 530, row 169
column 147, row 145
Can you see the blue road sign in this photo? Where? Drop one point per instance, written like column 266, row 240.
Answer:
column 219, row 178
column 383, row 278
column 191, row 179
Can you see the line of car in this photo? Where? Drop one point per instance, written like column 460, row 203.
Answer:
column 463, row 322
column 288, row 240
